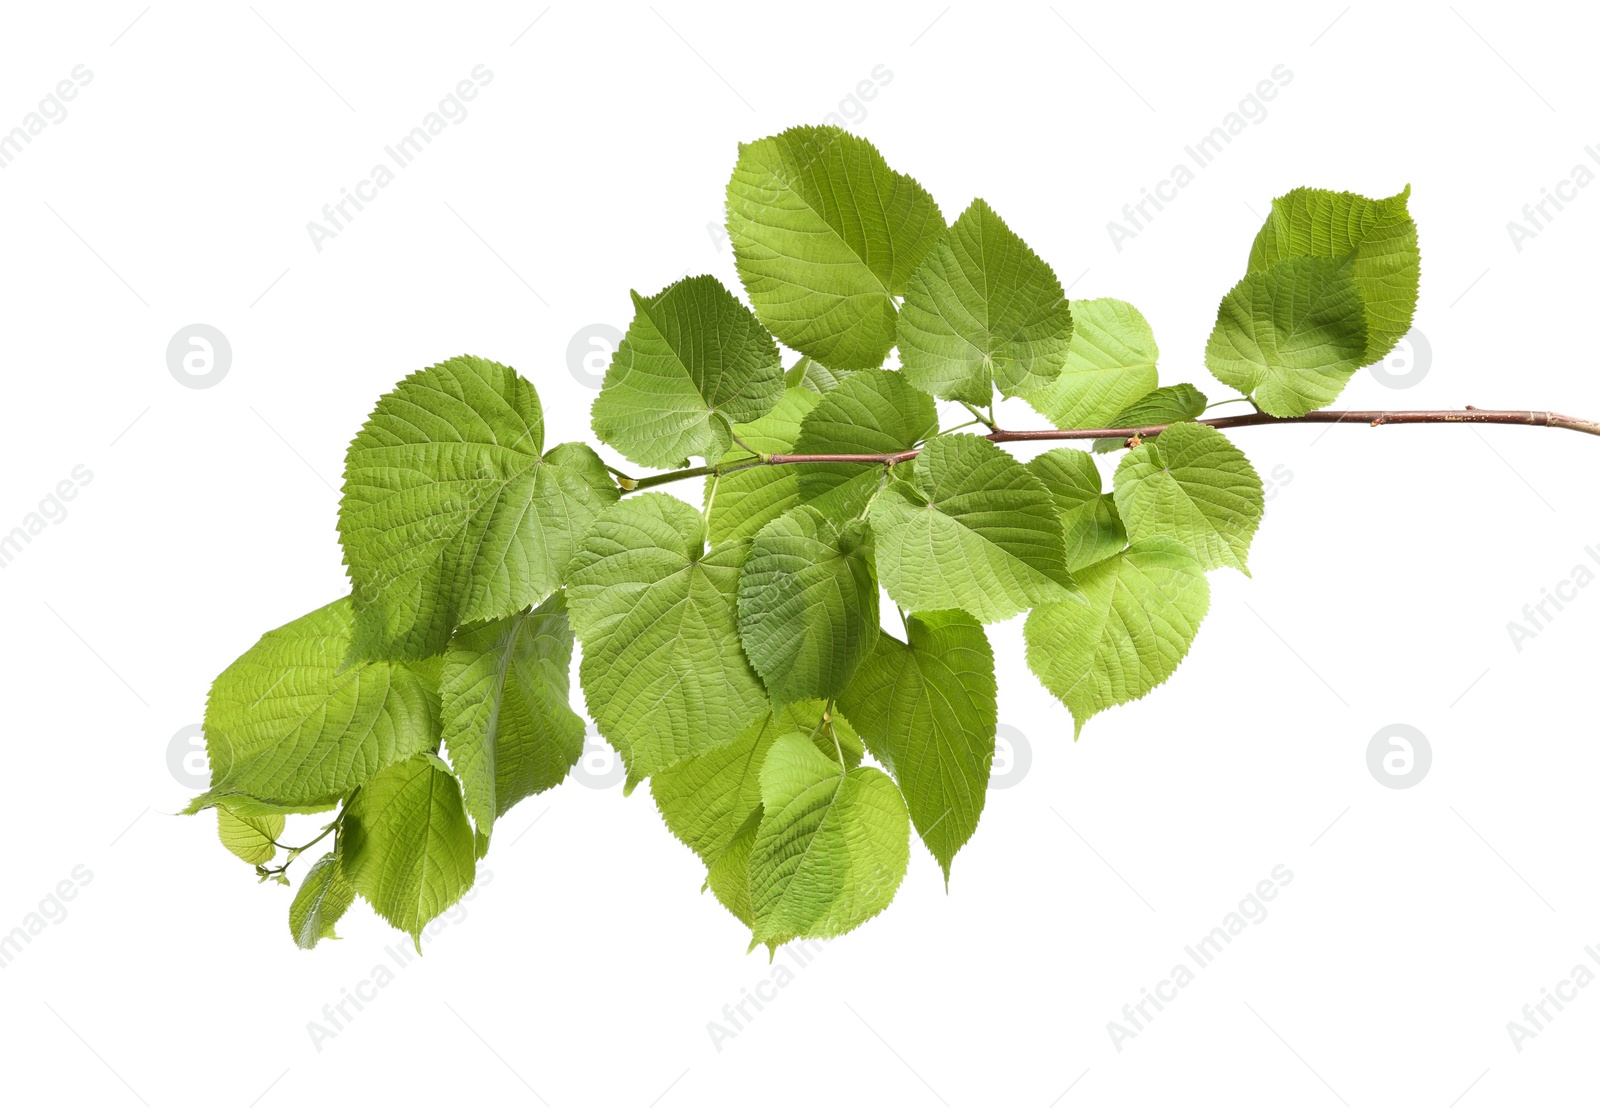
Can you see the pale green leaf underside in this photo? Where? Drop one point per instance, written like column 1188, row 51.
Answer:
column 693, row 363
column 983, row 311
column 825, row 237
column 407, row 846
column 663, row 673
column 927, row 710
column 808, row 604
column 250, row 837
column 1290, row 336
column 1192, row 485
column 451, row 514
column 1142, row 610
column 831, row 848
column 706, row 799
column 507, row 721
column 1091, row 528
column 975, row 530
column 1162, row 406
column 285, row 726
column 1111, row 364
column 324, row 896
column 1381, row 233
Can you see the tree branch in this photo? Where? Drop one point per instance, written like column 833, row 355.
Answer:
column 1471, row 415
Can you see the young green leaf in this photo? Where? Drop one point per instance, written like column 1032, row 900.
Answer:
column 1144, row 606
column 450, row 514
column 1162, row 406
column 1192, row 485
column 706, row 799
column 1380, row 233
column 831, row 848
column 693, row 363
column 663, row 672
column 826, row 237
column 807, row 373
column 1111, row 364
column 1091, row 527
column 324, row 895
column 407, row 847
column 288, row 726
column 1290, row 336
column 507, row 722
column 974, row 530
column 983, row 311
column 926, row 708
column 876, row 412
column 251, row 837
column 808, row 604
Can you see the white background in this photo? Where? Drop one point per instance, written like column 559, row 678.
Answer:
column 1419, row 922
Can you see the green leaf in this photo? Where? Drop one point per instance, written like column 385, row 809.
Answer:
column 450, row 514
column 251, row 837
column 407, row 847
column 875, row 412
column 706, row 799
column 1143, row 608
column 1091, row 527
column 983, row 310
column 1192, row 485
column 974, row 530
column 926, row 708
column 1162, row 406
column 826, row 237
column 811, row 375
column 287, row 726
column 324, row 895
column 1380, row 233
column 831, row 848
column 747, row 500
column 693, row 363
column 1290, row 336
column 663, row 673
column 808, row 604
column 507, row 722
column 1111, row 364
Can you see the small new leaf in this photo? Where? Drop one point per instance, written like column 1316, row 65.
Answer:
column 1291, row 335
column 1111, row 364
column 324, row 895
column 406, row 846
column 1143, row 608
column 693, row 363
column 831, row 848
column 251, row 837
column 1192, row 485
column 983, row 311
